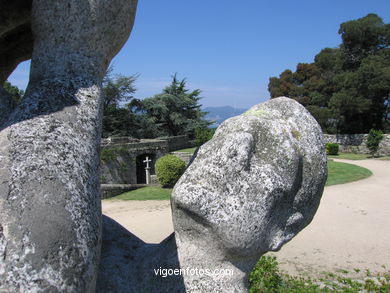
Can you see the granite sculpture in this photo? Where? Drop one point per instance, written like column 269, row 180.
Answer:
column 249, row 190
column 50, row 215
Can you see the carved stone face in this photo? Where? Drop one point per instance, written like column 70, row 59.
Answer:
column 253, row 186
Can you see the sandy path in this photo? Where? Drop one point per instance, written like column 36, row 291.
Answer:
column 350, row 230
column 150, row 220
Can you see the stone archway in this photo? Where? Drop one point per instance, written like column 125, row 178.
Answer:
column 140, row 165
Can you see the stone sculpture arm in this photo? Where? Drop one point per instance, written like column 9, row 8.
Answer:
column 50, row 219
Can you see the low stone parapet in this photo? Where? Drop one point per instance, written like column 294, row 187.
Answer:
column 111, row 190
column 186, row 157
column 356, row 143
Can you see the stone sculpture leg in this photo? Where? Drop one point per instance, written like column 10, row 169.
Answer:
column 50, row 219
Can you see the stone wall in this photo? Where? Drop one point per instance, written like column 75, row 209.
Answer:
column 119, row 156
column 118, row 164
column 177, row 142
column 356, row 143
column 186, row 157
column 111, row 190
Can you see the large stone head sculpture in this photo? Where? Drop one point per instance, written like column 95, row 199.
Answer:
column 250, row 189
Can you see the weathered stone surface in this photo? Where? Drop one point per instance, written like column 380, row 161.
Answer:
column 249, row 190
column 6, row 105
column 50, row 219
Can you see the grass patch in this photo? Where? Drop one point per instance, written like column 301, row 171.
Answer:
column 146, row 193
column 340, row 173
column 266, row 277
column 348, row 156
column 188, row 150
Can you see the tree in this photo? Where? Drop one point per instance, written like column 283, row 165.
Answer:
column 347, row 89
column 118, row 90
column 14, row 91
column 363, row 37
column 175, row 111
column 203, row 135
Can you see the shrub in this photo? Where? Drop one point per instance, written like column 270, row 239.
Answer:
column 169, row 168
column 332, row 148
column 265, row 277
column 203, row 135
column 373, row 140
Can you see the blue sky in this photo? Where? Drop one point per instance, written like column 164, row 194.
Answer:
column 228, row 51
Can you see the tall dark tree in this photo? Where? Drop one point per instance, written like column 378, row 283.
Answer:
column 14, row 91
column 363, row 37
column 175, row 111
column 347, row 89
column 118, row 90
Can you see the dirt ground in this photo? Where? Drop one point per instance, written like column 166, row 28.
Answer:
column 350, row 230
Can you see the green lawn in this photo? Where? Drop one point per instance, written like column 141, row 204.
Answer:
column 340, row 173
column 188, row 150
column 347, row 156
column 145, row 193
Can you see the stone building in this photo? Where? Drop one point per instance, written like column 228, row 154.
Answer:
column 122, row 158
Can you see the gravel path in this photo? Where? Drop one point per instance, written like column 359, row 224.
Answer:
column 350, row 230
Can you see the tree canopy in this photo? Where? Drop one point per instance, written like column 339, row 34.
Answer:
column 15, row 93
column 118, row 90
column 347, row 89
column 174, row 111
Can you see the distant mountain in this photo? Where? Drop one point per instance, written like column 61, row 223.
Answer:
column 220, row 114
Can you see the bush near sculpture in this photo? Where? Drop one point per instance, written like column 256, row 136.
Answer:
column 203, row 135
column 373, row 140
column 267, row 278
column 332, row 148
column 169, row 168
